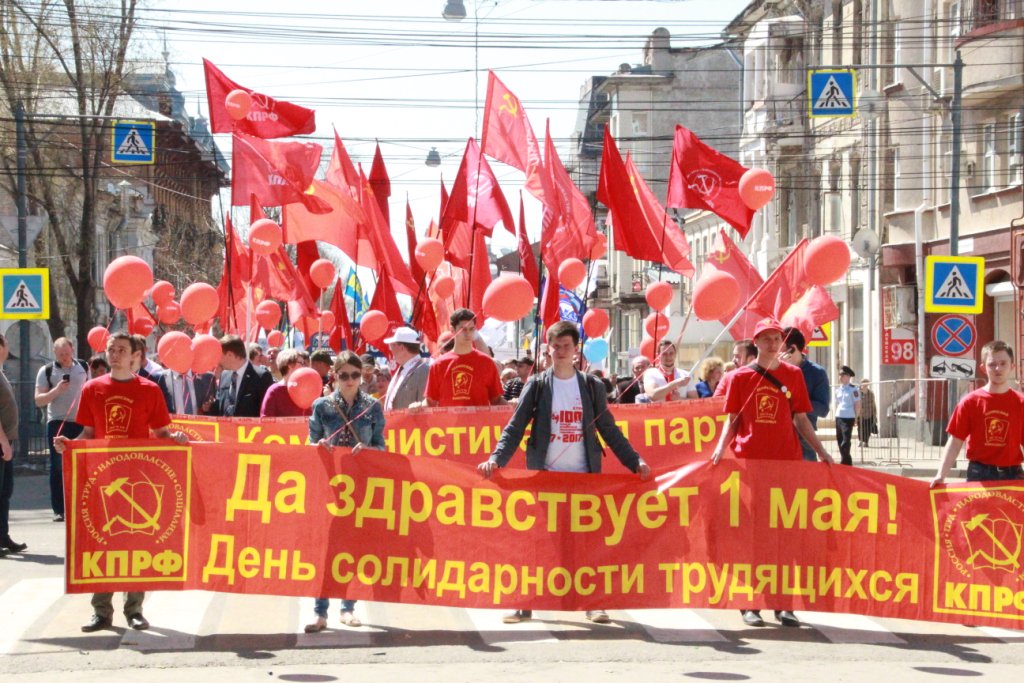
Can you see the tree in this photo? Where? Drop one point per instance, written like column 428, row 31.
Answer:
column 65, row 62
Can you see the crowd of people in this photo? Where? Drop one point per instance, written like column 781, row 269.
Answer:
column 773, row 394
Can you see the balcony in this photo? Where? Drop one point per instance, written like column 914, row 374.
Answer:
column 992, row 45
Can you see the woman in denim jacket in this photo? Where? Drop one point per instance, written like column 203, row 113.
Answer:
column 351, row 418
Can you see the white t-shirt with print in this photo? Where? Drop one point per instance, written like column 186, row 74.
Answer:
column 566, row 452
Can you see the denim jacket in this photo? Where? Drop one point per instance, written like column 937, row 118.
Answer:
column 368, row 423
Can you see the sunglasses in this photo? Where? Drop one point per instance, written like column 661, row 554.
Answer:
column 346, row 376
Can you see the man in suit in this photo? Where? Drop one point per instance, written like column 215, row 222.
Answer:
column 242, row 384
column 410, row 378
column 187, row 394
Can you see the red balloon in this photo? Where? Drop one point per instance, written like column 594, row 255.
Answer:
column 268, row 314
column 264, row 236
column 143, row 325
column 126, row 280
column 373, row 326
column 206, row 353
column 444, row 286
column 97, row 339
column 656, row 325
column 648, row 348
column 827, row 259
column 659, row 295
column 715, row 295
column 175, row 351
column 321, row 272
column 275, row 338
column 757, row 187
column 600, row 247
column 327, row 320
column 199, row 303
column 238, row 103
column 169, row 312
column 595, row 322
column 509, row 298
column 429, row 254
column 162, row 292
column 304, row 386
column 571, row 273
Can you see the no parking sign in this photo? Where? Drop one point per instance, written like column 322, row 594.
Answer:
column 954, row 335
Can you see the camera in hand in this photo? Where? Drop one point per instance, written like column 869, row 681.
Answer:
column 66, row 378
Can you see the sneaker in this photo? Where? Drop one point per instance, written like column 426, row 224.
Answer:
column 319, row 625
column 515, row 616
column 96, row 623
column 598, row 616
column 57, row 517
column 348, row 618
column 786, row 618
column 752, row 617
column 138, row 622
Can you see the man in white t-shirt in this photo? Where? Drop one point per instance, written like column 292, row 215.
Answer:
column 664, row 381
column 567, row 409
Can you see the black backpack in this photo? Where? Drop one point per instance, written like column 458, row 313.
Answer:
column 51, row 365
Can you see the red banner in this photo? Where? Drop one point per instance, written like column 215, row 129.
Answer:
column 300, row 521
column 665, row 434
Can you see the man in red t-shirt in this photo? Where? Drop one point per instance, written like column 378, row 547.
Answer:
column 120, row 405
column 464, row 376
column 767, row 404
column 990, row 421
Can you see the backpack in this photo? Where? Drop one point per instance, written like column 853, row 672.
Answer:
column 49, row 370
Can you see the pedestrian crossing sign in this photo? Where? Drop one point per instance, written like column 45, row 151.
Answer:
column 830, row 92
column 954, row 284
column 24, row 293
column 133, row 142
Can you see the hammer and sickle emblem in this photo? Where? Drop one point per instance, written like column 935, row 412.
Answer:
column 1006, row 559
column 511, row 106
column 720, row 256
column 116, row 487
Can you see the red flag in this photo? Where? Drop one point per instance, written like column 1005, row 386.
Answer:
column 305, row 254
column 268, row 118
column 813, row 309
column 379, row 236
column 550, row 310
column 568, row 230
column 381, row 184
column 410, row 240
column 277, row 277
column 784, row 286
column 481, row 275
column 385, row 301
column 341, row 335
column 339, row 227
column 237, row 272
column 675, row 249
column 444, row 202
column 341, row 172
column 277, row 173
column 527, row 264
column 423, row 318
column 727, row 257
column 701, row 177
column 476, row 198
column 509, row 137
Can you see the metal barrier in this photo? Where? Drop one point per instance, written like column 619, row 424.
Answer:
column 910, row 419
column 38, row 452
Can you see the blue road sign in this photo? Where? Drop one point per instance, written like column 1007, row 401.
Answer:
column 133, row 142
column 831, row 92
column 954, row 284
column 25, row 293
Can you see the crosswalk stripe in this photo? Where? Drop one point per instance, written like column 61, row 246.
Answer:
column 22, row 604
column 1007, row 635
column 849, row 628
column 336, row 635
column 540, row 629
column 676, row 626
column 176, row 620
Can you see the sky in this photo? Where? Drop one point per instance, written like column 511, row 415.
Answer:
column 396, row 72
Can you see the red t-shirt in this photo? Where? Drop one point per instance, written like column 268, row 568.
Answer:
column 766, row 428
column 468, row 379
column 122, row 410
column 991, row 425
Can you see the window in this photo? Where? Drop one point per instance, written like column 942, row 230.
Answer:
column 1015, row 138
column 837, row 32
column 896, row 179
column 990, row 158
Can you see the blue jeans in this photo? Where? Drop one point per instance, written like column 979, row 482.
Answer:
column 979, row 471
column 320, row 608
column 71, row 430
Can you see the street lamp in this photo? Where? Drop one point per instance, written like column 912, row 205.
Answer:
column 455, row 10
column 433, row 158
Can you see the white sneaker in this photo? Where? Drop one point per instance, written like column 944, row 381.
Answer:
column 350, row 619
column 598, row 616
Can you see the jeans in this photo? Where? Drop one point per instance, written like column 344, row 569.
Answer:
column 64, row 428
column 320, row 607
column 979, row 471
column 844, row 435
column 6, row 491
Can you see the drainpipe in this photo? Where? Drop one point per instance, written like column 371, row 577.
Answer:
column 922, row 368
